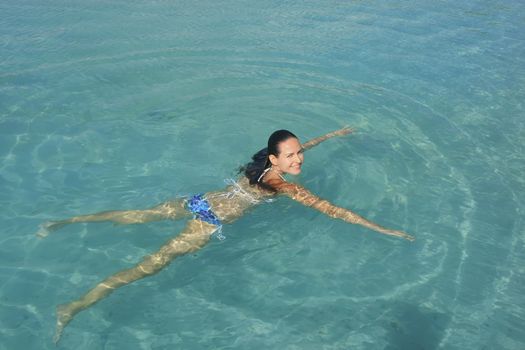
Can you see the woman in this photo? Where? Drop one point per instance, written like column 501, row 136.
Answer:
column 263, row 179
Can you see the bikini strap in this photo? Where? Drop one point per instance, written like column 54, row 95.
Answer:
column 263, row 173
column 267, row 170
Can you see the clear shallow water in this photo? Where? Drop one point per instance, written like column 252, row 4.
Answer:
column 116, row 105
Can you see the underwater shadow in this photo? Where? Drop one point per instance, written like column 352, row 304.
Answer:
column 415, row 327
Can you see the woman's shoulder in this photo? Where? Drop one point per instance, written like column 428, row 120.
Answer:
column 270, row 187
column 282, row 186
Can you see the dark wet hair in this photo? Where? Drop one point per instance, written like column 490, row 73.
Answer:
column 260, row 160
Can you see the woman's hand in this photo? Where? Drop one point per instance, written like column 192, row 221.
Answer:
column 400, row 234
column 343, row 131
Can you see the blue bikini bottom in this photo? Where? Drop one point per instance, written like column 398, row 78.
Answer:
column 201, row 208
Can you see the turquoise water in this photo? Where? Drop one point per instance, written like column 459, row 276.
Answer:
column 125, row 104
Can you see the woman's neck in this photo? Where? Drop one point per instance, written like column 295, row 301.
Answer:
column 274, row 173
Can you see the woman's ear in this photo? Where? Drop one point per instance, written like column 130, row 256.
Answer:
column 273, row 159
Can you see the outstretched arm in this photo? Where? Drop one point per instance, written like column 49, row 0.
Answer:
column 314, row 142
column 305, row 197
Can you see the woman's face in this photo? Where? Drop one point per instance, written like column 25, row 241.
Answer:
column 290, row 157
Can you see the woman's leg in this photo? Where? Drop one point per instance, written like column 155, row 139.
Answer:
column 169, row 210
column 196, row 234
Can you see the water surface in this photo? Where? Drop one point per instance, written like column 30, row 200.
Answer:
column 125, row 104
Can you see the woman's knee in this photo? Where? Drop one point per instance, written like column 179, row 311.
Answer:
column 153, row 264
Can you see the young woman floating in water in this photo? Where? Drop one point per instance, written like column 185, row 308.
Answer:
column 263, row 179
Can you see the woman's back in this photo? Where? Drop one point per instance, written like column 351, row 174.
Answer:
column 232, row 202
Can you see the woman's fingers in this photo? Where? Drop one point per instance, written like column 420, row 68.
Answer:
column 344, row 131
column 409, row 237
column 406, row 236
column 402, row 235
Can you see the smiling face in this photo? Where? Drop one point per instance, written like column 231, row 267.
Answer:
column 290, row 157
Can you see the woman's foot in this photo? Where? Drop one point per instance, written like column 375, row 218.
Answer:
column 49, row 226
column 64, row 316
